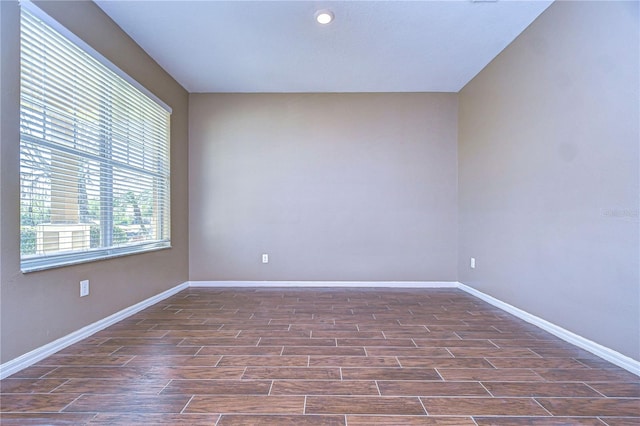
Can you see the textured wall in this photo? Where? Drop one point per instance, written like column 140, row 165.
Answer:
column 548, row 160
column 344, row 187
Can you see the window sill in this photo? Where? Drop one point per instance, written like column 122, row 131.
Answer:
column 42, row 263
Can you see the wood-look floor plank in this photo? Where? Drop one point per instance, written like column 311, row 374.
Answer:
column 142, row 341
column 324, row 350
column 538, row 421
column 544, row 363
column 396, row 343
column 83, row 348
column 80, row 372
column 218, row 387
column 324, row 387
column 315, row 373
column 483, row 407
column 220, row 341
column 263, row 360
column 157, row 350
column 347, row 334
column 40, row 419
column 241, row 350
column 34, row 402
column 280, row 420
column 593, row 361
column 453, row 343
column 89, row 361
column 531, row 389
column 620, row 421
column 592, row 406
column 487, row 374
column 247, row 404
column 431, row 388
column 353, row 361
column 174, row 361
column 390, row 374
column 129, row 419
column 409, row 352
column 363, row 405
column 29, row 385
column 618, row 390
column 129, row 403
column 131, row 331
column 424, row 362
column 586, row 375
column 364, row 420
column 112, row 386
column 296, row 341
column 494, row 352
column 190, row 372
column 33, row 372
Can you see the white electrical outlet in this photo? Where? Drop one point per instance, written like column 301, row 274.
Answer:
column 84, row 288
column 265, row 258
column 472, row 264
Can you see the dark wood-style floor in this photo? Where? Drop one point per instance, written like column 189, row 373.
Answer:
column 322, row 357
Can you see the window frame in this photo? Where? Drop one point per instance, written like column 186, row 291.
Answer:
column 57, row 259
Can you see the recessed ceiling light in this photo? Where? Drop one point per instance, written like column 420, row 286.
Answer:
column 324, row 17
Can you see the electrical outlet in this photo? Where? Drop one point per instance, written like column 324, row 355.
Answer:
column 472, row 264
column 265, row 258
column 84, row 288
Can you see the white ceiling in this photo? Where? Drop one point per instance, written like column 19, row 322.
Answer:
column 277, row 46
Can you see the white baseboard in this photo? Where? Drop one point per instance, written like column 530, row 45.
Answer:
column 38, row 354
column 610, row 355
column 329, row 284
column 30, row 358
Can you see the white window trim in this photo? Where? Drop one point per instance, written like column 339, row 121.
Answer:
column 57, row 260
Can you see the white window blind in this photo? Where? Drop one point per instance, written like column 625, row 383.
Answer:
column 94, row 154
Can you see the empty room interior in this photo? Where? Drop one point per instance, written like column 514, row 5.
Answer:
column 237, row 213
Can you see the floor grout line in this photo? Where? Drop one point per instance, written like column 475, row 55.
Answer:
column 165, row 386
column 594, row 389
column 187, row 404
column 423, row 407
column 541, row 406
column 485, row 388
column 440, row 375
column 74, row 400
column 60, row 385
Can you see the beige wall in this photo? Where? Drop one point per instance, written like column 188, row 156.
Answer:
column 336, row 187
column 40, row 307
column 548, row 158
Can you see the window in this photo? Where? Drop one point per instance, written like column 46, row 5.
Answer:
column 94, row 153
